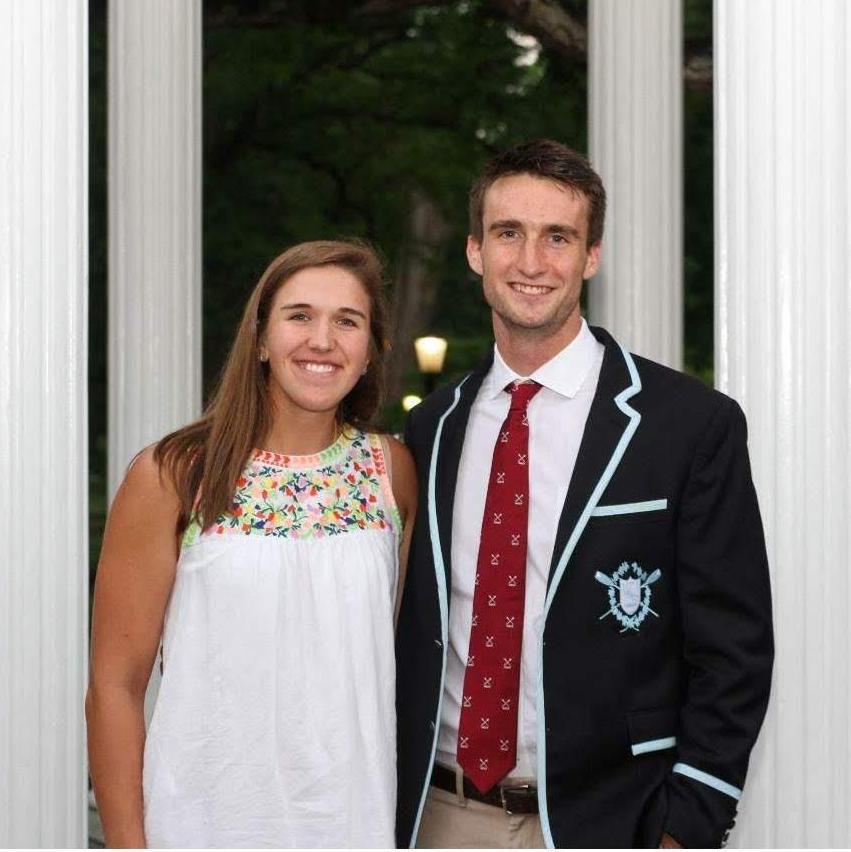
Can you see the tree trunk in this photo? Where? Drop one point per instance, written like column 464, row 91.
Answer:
column 416, row 286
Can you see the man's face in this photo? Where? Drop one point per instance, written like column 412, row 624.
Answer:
column 533, row 256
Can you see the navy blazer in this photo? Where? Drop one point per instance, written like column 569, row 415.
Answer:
column 656, row 650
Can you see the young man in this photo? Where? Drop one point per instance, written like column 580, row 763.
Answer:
column 584, row 648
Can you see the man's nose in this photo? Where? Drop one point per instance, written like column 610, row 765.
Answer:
column 530, row 261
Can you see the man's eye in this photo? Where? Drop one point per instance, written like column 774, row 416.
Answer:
column 509, row 233
column 300, row 316
column 559, row 238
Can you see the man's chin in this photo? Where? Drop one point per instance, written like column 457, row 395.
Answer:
column 531, row 325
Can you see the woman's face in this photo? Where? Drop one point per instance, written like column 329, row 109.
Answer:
column 316, row 339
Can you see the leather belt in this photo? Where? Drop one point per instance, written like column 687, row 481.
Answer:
column 512, row 798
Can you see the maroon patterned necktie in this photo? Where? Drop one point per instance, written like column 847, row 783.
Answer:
column 487, row 731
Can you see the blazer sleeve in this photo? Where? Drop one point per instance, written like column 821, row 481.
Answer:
column 725, row 607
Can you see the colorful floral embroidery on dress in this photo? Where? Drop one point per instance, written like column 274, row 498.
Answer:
column 341, row 489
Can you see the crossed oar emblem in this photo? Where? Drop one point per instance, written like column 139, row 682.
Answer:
column 629, row 590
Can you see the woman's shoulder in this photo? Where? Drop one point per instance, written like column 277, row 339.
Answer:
column 398, row 451
column 403, row 474
column 145, row 472
column 146, row 496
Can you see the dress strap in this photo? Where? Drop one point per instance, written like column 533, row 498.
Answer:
column 380, row 449
column 388, row 456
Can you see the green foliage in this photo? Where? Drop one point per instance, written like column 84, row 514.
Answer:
column 698, row 237
column 97, row 282
column 324, row 129
column 320, row 122
column 697, row 24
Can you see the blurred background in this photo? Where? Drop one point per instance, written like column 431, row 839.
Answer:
column 371, row 119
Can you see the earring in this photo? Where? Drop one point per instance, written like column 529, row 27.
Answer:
column 363, row 372
column 264, row 357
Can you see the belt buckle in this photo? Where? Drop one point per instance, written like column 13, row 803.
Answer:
column 522, row 789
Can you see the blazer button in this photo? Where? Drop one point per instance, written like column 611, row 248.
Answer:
column 438, row 643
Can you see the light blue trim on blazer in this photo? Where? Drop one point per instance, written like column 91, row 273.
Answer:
column 654, row 745
column 440, row 576
column 709, row 780
column 614, row 461
column 630, row 508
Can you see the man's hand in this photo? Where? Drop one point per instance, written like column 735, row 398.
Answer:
column 668, row 842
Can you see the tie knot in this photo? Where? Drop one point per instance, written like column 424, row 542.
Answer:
column 521, row 393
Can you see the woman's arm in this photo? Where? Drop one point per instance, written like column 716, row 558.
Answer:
column 134, row 580
column 404, row 482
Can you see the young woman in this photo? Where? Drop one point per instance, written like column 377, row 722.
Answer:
column 262, row 543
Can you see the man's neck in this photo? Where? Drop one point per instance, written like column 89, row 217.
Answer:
column 526, row 350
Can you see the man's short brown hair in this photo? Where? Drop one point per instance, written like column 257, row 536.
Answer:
column 547, row 159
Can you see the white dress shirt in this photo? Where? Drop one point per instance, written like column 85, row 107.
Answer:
column 557, row 415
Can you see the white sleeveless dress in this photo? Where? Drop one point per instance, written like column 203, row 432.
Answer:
column 275, row 720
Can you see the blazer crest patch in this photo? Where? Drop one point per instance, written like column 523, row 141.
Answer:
column 629, row 593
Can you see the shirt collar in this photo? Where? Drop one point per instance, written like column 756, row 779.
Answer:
column 564, row 373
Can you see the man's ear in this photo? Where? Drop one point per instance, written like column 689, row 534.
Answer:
column 474, row 254
column 592, row 261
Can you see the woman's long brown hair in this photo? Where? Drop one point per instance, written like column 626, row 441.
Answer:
column 205, row 459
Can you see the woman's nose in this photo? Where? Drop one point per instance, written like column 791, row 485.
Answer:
column 321, row 336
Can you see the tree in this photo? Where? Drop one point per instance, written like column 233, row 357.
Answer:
column 321, row 124
column 560, row 26
column 370, row 118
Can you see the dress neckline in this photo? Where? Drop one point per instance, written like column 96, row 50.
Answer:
column 302, row 462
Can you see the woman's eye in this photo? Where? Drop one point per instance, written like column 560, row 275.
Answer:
column 299, row 316
column 347, row 321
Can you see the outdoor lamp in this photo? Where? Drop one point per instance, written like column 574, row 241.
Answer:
column 410, row 400
column 431, row 352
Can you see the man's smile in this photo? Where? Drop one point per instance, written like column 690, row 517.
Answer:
column 530, row 289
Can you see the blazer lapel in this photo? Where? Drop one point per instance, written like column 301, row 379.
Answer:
column 448, row 446
column 610, row 426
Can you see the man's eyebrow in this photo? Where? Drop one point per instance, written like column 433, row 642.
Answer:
column 505, row 224
column 562, row 229
column 516, row 225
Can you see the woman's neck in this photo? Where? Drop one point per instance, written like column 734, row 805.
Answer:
column 301, row 433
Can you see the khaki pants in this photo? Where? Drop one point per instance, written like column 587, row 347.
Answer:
column 451, row 821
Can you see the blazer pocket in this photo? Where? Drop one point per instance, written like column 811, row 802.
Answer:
column 640, row 512
column 653, row 730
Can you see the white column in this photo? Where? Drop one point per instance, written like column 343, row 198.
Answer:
column 635, row 142
column 783, row 349
column 43, row 457
column 154, row 223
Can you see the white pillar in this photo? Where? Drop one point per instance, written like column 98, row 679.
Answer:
column 43, row 457
column 783, row 349
column 154, row 223
column 635, row 136
column 155, row 158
